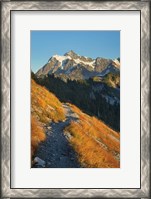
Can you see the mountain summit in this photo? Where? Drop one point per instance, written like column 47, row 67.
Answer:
column 72, row 54
column 73, row 66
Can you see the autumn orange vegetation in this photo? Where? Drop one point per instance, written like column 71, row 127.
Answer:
column 45, row 105
column 45, row 108
column 97, row 145
column 37, row 134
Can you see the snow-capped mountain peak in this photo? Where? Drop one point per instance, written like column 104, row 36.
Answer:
column 75, row 66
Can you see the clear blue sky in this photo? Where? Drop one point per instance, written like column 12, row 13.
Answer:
column 45, row 44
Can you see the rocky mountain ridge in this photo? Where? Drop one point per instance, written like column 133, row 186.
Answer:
column 73, row 66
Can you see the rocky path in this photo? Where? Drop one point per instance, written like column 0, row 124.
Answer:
column 56, row 151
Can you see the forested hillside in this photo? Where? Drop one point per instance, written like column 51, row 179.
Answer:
column 95, row 96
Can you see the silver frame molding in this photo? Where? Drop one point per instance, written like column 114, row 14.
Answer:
column 143, row 7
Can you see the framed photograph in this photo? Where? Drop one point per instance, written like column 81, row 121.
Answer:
column 75, row 111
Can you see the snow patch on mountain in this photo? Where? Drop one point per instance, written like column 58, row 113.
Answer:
column 78, row 61
column 116, row 62
column 111, row 100
column 61, row 59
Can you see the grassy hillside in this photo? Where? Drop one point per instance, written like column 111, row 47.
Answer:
column 97, row 145
column 88, row 95
column 111, row 80
column 45, row 108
